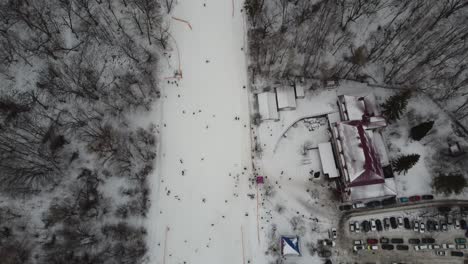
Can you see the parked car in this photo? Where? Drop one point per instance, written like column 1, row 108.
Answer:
column 329, row 243
column 400, row 221
column 441, row 253
column 378, row 224
column 428, row 240
column 358, row 205
column 466, row 234
column 463, row 224
column 372, row 241
column 422, row 228
column 388, row 246
column 393, row 222
column 461, row 246
column 324, row 253
column 373, row 227
column 429, row 225
column 404, row 199
column 406, row 223
column 352, row 227
column 416, row 226
column 365, row 226
column 460, row 240
column 345, row 207
column 444, row 209
column 397, row 240
column 434, row 246
column 415, row 198
column 448, row 246
column 357, row 248
column 384, row 240
column 456, row 254
column 414, row 241
column 357, row 227
column 436, row 226
column 457, row 224
column 402, row 247
column 358, row 242
column 386, row 223
column 372, row 247
column 333, row 233
column 443, row 226
column 389, row 201
column 427, row 197
column 420, row 247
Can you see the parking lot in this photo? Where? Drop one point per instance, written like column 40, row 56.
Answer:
column 411, row 234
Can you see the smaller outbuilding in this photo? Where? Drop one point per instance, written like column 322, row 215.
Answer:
column 286, row 98
column 267, row 106
column 290, row 246
column 299, row 89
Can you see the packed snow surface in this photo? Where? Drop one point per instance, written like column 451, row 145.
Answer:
column 200, row 209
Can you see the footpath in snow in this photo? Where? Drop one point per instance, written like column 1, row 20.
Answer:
column 200, row 209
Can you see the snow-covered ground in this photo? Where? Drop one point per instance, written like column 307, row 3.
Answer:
column 200, row 209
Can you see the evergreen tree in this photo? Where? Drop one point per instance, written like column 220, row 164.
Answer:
column 447, row 184
column 421, row 130
column 405, row 162
column 394, row 106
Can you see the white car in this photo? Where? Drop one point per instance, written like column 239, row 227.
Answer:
column 372, row 247
column 358, row 205
column 420, row 247
column 333, row 233
column 357, row 227
column 448, row 246
column 352, row 227
column 422, row 228
column 416, row 226
column 328, row 243
column 441, row 253
column 400, row 221
column 357, row 248
column 457, row 224
column 373, row 227
column 461, row 246
column 434, row 246
column 357, row 242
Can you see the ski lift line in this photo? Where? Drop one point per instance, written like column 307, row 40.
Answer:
column 242, row 237
column 165, row 242
column 183, row 21
column 258, row 222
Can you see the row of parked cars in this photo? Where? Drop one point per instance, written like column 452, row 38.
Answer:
column 419, row 244
column 386, row 202
column 416, row 225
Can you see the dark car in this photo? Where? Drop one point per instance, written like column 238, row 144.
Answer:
column 384, row 240
column 414, row 241
column 324, row 254
column 406, row 223
column 402, row 247
column 427, row 197
column 386, row 223
column 378, row 224
column 365, row 226
column 428, row 240
column 463, row 224
column 456, row 254
column 388, row 247
column 345, row 207
column 372, row 241
column 415, row 198
column 393, row 222
column 429, row 225
column 389, row 201
column 373, row 204
column 397, row 240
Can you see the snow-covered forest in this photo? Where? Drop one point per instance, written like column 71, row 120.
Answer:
column 421, row 45
column 73, row 165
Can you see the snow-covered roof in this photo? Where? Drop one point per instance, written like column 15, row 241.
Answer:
column 379, row 144
column 385, row 189
column 299, row 91
column 359, row 157
column 361, row 108
column 286, row 98
column 328, row 160
column 267, row 106
column 290, row 246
